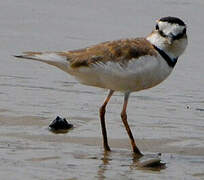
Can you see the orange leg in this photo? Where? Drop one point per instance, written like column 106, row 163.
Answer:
column 102, row 118
column 125, row 122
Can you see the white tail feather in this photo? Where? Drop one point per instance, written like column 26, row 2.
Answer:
column 52, row 58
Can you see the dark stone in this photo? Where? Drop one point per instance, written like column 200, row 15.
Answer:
column 60, row 124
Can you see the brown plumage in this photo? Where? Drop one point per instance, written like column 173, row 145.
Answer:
column 116, row 51
column 110, row 51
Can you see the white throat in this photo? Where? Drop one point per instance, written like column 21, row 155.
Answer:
column 173, row 50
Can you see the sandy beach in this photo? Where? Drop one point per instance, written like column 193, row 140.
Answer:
column 167, row 119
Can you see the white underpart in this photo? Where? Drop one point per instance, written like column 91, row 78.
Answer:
column 138, row 74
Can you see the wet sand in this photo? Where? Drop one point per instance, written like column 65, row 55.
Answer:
column 167, row 119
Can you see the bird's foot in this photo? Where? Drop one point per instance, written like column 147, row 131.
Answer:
column 107, row 148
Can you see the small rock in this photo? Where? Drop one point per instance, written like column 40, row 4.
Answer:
column 60, row 125
column 151, row 161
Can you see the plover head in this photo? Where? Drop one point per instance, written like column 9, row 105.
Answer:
column 170, row 36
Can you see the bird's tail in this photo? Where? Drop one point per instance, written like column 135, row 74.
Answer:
column 58, row 59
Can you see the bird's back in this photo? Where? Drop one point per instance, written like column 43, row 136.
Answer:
column 122, row 65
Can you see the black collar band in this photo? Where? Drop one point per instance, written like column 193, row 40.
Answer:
column 170, row 62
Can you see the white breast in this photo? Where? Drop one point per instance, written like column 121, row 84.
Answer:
column 138, row 74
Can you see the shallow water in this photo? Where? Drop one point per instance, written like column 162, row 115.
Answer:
column 167, row 119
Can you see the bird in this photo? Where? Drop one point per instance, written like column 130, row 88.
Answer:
column 125, row 65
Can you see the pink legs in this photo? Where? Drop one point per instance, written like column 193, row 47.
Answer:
column 125, row 122
column 102, row 117
column 124, row 119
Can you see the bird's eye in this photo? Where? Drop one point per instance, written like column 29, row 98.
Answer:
column 162, row 34
column 157, row 27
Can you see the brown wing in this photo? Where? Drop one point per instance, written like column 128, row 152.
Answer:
column 118, row 51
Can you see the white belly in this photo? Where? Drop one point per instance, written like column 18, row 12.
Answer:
column 138, row 74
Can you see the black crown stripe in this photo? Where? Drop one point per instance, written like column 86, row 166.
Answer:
column 173, row 20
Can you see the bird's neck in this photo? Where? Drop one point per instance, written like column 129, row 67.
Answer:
column 163, row 45
column 171, row 62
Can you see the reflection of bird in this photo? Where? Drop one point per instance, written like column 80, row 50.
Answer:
column 124, row 65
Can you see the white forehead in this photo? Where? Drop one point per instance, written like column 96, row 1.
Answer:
column 168, row 28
